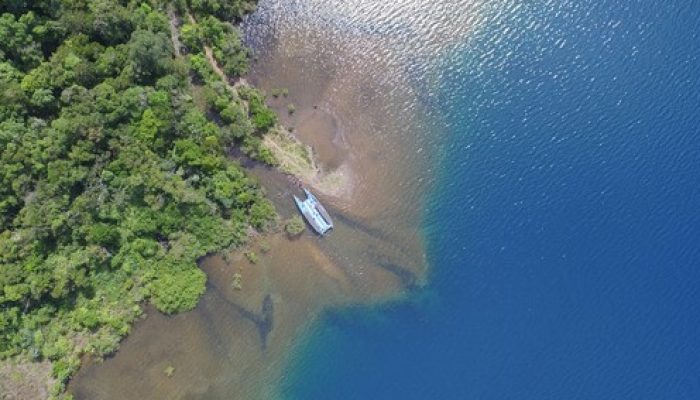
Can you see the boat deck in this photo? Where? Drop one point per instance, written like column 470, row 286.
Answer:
column 314, row 213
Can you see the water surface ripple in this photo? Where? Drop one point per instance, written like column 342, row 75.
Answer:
column 563, row 227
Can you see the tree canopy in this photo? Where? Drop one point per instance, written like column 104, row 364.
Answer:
column 114, row 178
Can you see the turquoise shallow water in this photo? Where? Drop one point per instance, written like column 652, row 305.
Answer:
column 563, row 228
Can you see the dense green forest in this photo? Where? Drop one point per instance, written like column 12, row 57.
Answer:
column 114, row 178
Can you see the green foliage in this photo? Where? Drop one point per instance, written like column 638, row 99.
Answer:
column 294, row 226
column 17, row 41
column 225, row 41
column 113, row 183
column 177, row 287
column 252, row 257
column 262, row 116
column 277, row 92
column 63, row 369
column 237, row 282
column 262, row 215
column 228, row 10
column 200, row 67
column 191, row 36
column 151, row 54
column 233, row 113
column 148, row 126
column 103, row 234
column 112, row 23
column 240, row 126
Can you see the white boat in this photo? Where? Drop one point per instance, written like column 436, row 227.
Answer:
column 314, row 213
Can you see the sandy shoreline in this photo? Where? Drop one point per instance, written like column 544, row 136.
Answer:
column 329, row 171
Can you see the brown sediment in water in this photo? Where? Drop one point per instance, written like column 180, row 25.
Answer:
column 236, row 343
column 236, row 340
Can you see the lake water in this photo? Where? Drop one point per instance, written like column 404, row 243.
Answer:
column 563, row 228
column 523, row 184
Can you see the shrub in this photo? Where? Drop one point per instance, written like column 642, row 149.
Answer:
column 262, row 215
column 237, row 281
column 169, row 371
column 178, row 289
column 252, row 257
column 191, row 37
column 295, row 226
column 263, row 118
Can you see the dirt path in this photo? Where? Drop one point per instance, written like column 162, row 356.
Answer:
column 174, row 32
column 209, row 53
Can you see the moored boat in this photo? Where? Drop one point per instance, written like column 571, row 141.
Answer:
column 314, row 213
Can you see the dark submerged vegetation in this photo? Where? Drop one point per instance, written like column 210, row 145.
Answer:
column 113, row 178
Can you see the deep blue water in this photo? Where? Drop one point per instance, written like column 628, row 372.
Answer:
column 563, row 231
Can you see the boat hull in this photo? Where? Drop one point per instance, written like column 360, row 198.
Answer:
column 314, row 213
